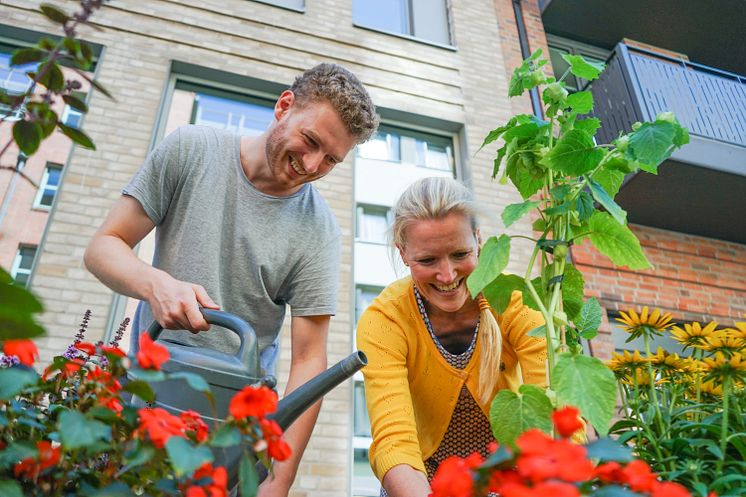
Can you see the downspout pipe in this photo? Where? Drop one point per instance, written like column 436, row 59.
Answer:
column 525, row 53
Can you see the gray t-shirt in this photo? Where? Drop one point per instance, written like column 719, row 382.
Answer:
column 253, row 253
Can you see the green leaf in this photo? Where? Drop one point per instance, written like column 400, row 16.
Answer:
column 10, row 488
column 514, row 212
column 141, row 389
column 512, row 414
column 589, row 317
column 586, row 383
column 582, row 68
column 538, row 332
column 95, row 83
column 610, row 179
column 606, row 449
column 77, row 136
column 226, row 436
column 496, row 133
column 522, row 132
column 116, row 489
column 149, row 375
column 53, row 13
column 493, row 259
column 525, row 182
column 589, row 125
column 26, row 56
column 247, row 476
column 15, row 452
column 581, row 102
column 75, row 103
column 607, row 202
column 141, row 455
column 574, row 154
column 77, row 431
column 616, row 242
column 50, row 75
column 498, row 292
column 28, row 136
column 585, row 207
column 185, row 457
column 572, row 291
column 615, row 491
column 651, row 144
column 14, row 380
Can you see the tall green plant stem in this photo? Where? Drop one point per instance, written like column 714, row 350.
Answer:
column 549, row 325
column 653, row 396
column 724, row 425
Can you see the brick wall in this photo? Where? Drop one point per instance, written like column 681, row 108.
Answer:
column 694, row 278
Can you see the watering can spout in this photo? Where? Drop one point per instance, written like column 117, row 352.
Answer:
column 303, row 397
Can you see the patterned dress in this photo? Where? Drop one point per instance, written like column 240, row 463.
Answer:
column 469, row 430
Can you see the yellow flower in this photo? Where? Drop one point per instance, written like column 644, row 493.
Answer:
column 669, row 363
column 740, row 331
column 655, row 323
column 710, row 388
column 722, row 366
column 626, row 361
column 693, row 335
column 724, row 341
column 641, row 377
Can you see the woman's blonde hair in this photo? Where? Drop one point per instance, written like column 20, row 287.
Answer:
column 436, row 198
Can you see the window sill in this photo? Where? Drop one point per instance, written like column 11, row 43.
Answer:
column 445, row 46
column 284, row 7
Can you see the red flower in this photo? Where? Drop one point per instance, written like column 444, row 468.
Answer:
column 610, row 472
column 71, row 367
column 253, row 401
column 160, row 425
column 31, row 466
column 151, row 355
column 638, row 475
column 116, row 351
column 556, row 489
column 668, row 489
column 25, row 350
column 216, row 488
column 86, row 347
column 567, row 421
column 452, row 479
column 195, row 424
column 543, row 458
column 277, row 448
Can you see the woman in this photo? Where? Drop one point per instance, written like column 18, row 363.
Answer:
column 436, row 356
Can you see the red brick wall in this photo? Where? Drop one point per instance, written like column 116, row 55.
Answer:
column 694, row 278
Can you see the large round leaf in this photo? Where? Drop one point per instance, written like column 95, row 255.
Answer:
column 513, row 413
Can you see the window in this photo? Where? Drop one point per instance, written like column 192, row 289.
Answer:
column 22, row 264
column 422, row 19
column 562, row 46
column 50, row 183
column 399, row 145
column 71, row 117
column 298, row 5
column 372, row 223
column 364, row 295
column 13, row 80
column 364, row 481
column 244, row 115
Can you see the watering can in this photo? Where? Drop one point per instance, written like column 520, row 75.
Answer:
column 228, row 374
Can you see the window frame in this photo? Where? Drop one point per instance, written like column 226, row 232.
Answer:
column 16, row 268
column 410, row 22
column 576, row 48
column 44, row 184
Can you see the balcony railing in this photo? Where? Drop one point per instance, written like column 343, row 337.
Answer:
column 638, row 84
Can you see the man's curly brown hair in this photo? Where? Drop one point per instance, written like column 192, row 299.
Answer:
column 344, row 91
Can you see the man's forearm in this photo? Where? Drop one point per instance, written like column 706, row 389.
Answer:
column 298, row 434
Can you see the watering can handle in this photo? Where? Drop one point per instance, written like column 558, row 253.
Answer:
column 220, row 318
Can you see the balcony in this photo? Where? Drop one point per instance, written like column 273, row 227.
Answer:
column 700, row 189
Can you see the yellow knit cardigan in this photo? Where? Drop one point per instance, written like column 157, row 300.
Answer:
column 411, row 390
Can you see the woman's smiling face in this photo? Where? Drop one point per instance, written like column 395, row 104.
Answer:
column 441, row 254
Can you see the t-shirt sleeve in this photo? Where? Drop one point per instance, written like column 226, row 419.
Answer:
column 313, row 289
column 157, row 179
column 517, row 320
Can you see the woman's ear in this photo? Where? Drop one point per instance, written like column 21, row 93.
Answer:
column 403, row 256
column 478, row 236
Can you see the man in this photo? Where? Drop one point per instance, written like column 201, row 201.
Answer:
column 239, row 224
